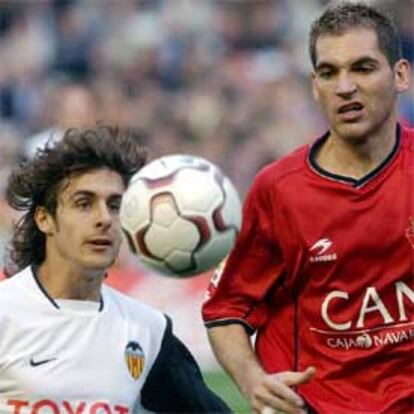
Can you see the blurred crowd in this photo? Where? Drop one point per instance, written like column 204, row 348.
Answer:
column 224, row 79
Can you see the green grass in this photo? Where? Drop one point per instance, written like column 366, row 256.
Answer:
column 222, row 385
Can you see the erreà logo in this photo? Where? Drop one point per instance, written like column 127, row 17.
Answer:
column 135, row 359
column 409, row 231
column 320, row 251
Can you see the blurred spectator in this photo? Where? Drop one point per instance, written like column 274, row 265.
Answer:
column 10, row 147
column 64, row 105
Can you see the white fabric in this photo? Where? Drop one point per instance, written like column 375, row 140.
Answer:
column 87, row 371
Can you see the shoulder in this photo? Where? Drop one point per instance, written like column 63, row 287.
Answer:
column 286, row 166
column 408, row 137
column 409, row 131
column 407, row 147
column 14, row 294
column 14, row 283
column 134, row 309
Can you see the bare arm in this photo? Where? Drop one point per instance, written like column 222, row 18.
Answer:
column 233, row 349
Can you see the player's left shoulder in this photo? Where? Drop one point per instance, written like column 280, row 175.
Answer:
column 289, row 164
column 283, row 171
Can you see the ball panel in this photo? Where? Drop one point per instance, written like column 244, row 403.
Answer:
column 160, row 182
column 135, row 210
column 196, row 192
column 164, row 210
column 179, row 261
column 203, row 228
column 170, row 164
column 231, row 210
column 215, row 250
column 161, row 241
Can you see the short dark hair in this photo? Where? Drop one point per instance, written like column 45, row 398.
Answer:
column 340, row 18
column 38, row 181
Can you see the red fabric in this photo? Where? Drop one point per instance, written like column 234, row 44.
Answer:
column 324, row 270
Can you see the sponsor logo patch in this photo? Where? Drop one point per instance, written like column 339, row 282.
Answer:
column 321, row 251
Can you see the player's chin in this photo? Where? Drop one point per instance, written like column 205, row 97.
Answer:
column 353, row 132
column 100, row 261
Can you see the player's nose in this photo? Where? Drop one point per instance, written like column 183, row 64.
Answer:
column 104, row 217
column 345, row 84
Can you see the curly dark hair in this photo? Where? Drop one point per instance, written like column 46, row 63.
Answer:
column 347, row 15
column 37, row 181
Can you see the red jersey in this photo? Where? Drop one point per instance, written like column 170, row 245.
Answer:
column 323, row 271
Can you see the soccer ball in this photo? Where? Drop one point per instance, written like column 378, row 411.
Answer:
column 180, row 215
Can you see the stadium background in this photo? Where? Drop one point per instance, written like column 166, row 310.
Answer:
column 224, row 79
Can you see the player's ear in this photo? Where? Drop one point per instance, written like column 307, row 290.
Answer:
column 315, row 91
column 44, row 221
column 402, row 75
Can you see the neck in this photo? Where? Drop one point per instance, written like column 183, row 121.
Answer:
column 70, row 283
column 356, row 158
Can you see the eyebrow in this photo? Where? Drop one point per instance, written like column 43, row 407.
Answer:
column 359, row 61
column 87, row 193
column 365, row 59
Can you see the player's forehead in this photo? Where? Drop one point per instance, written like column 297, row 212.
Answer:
column 101, row 182
column 348, row 46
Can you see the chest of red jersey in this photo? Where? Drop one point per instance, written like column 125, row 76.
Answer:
column 349, row 251
column 324, row 270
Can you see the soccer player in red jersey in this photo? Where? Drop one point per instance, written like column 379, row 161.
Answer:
column 323, row 267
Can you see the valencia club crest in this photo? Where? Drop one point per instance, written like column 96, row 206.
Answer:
column 134, row 358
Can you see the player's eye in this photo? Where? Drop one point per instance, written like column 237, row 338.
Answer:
column 364, row 69
column 115, row 206
column 83, row 203
column 326, row 73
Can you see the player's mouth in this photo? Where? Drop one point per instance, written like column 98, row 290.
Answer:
column 352, row 111
column 100, row 243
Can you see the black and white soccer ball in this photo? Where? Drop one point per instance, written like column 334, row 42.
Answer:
column 181, row 215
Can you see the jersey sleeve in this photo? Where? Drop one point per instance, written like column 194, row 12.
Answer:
column 240, row 291
column 175, row 383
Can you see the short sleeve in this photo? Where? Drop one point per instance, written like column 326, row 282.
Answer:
column 255, row 266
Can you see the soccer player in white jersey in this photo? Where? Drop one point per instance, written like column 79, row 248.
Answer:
column 69, row 343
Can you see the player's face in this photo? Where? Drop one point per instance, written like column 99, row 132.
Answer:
column 85, row 233
column 355, row 84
